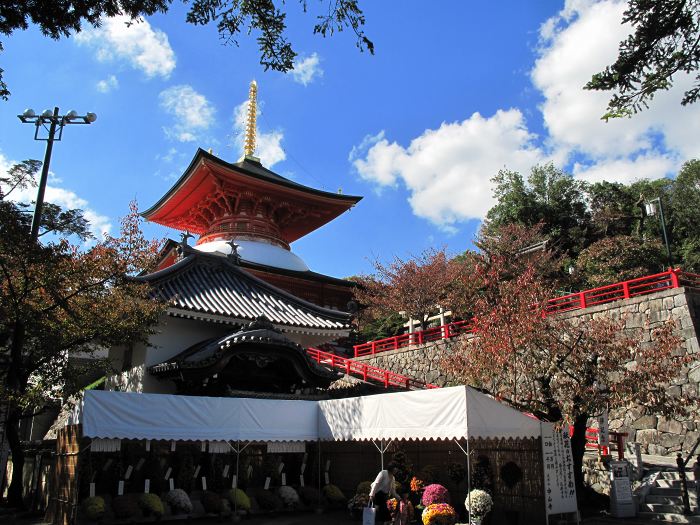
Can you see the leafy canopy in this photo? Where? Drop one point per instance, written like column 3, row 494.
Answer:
column 664, row 43
column 232, row 18
column 61, row 303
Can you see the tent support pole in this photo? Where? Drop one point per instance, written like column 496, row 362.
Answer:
column 382, row 449
column 319, row 507
column 238, row 449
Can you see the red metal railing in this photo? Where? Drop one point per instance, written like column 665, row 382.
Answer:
column 366, row 372
column 446, row 331
column 605, row 294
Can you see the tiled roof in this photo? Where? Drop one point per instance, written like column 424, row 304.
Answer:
column 205, row 285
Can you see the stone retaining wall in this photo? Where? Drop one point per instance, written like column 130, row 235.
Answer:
column 656, row 434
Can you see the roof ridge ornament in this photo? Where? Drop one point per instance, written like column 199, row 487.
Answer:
column 234, row 255
column 250, row 127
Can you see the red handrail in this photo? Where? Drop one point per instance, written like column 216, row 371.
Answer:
column 366, row 372
column 674, row 278
column 616, row 438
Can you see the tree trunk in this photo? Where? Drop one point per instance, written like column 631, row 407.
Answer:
column 578, row 448
column 16, row 383
column 14, row 492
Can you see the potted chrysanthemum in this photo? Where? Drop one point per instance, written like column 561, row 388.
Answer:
column 478, row 504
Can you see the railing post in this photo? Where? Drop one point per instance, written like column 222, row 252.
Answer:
column 386, row 379
column 356, row 351
column 626, row 290
column 364, row 372
column 347, row 367
column 447, row 331
column 396, row 342
column 582, row 299
column 420, row 337
column 674, row 278
column 374, row 348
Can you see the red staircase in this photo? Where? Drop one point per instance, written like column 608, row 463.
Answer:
column 366, row 372
column 675, row 278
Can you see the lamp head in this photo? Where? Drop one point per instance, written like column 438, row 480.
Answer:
column 90, row 117
column 650, row 208
column 47, row 113
column 71, row 115
column 29, row 113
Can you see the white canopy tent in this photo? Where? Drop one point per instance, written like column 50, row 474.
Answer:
column 455, row 414
column 445, row 413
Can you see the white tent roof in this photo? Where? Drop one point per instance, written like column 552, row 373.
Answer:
column 129, row 415
column 445, row 413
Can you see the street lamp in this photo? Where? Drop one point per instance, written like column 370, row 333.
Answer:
column 50, row 122
column 652, row 207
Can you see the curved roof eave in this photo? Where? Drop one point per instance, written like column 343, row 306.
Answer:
column 251, row 169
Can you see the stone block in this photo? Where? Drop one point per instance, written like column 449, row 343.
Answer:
column 634, row 321
column 645, row 423
column 670, row 441
column 647, row 436
column 689, row 439
column 657, row 450
column 694, row 374
column 670, row 425
column 668, row 303
column 680, row 300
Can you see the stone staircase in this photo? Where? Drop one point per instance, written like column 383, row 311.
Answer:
column 664, row 502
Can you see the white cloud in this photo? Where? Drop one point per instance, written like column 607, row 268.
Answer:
column 192, row 112
column 108, row 84
column 448, row 170
column 268, row 144
column 307, row 69
column 99, row 224
column 135, row 42
column 580, row 41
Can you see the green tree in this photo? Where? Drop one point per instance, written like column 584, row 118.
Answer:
column 549, row 197
column 61, row 300
column 685, row 209
column 619, row 258
column 232, row 18
column 664, row 43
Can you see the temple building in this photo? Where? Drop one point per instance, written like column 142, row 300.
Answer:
column 242, row 306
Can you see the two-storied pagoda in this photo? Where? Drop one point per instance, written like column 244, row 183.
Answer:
column 242, row 306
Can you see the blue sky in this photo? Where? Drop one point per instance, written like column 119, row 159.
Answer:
column 451, row 96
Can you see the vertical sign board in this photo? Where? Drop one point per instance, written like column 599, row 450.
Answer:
column 558, row 463
column 603, row 430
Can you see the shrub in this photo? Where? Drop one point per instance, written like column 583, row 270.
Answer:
column 267, row 500
column 481, row 503
column 151, row 505
column 435, row 494
column 179, row 501
column 363, row 487
column 439, row 514
column 334, row 495
column 238, row 499
column 93, row 508
column 126, row 507
column 309, row 495
column 358, row 502
column 288, row 495
column 457, row 472
column 211, row 502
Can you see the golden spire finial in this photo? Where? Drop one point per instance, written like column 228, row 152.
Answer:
column 249, row 143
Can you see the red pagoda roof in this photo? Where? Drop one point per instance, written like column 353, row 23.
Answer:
column 218, row 199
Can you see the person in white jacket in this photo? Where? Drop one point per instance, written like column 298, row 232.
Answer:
column 382, row 489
